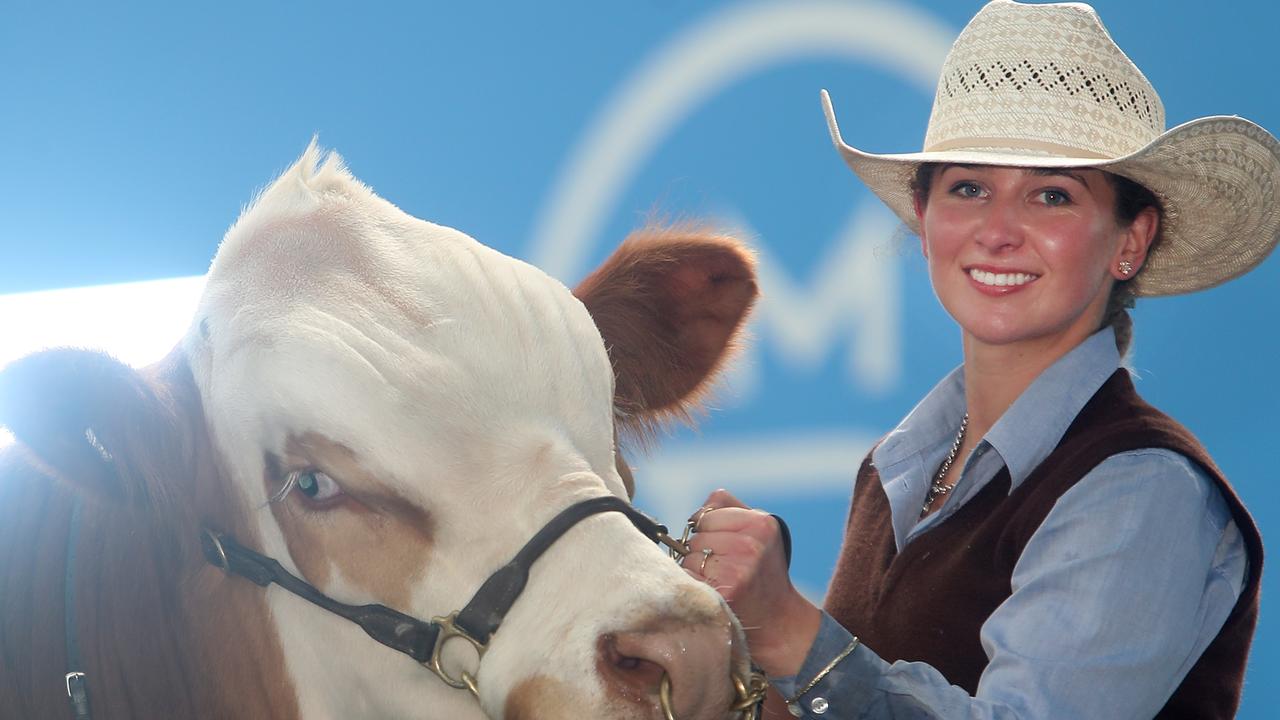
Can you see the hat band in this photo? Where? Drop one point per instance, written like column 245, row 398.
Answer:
column 1037, row 148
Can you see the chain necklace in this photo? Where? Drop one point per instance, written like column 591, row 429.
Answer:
column 938, row 488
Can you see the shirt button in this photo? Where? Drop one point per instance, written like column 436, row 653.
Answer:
column 819, row 705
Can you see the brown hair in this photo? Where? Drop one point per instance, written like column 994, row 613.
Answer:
column 1131, row 199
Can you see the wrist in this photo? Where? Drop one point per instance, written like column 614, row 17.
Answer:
column 780, row 645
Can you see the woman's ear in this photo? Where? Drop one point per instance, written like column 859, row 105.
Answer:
column 1135, row 243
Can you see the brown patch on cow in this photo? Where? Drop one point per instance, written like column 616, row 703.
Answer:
column 543, row 698
column 161, row 633
column 670, row 304
column 374, row 537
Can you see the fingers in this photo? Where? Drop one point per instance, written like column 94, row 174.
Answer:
column 722, row 499
column 756, row 523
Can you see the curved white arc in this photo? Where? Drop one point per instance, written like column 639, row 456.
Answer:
column 708, row 56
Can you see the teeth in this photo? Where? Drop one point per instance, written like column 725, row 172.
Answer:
column 1001, row 279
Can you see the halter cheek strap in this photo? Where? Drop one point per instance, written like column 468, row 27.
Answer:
column 416, row 638
column 389, row 627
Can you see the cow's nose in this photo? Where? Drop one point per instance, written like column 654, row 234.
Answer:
column 697, row 659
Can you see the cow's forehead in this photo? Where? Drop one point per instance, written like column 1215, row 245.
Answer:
column 330, row 310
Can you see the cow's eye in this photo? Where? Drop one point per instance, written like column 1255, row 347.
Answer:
column 316, row 485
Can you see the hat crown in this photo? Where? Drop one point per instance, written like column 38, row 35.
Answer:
column 1044, row 80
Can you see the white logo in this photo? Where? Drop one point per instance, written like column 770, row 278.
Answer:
column 849, row 296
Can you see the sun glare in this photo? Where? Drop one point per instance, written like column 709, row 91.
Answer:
column 138, row 323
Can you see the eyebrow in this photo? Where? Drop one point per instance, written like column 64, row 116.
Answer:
column 1066, row 172
column 1039, row 171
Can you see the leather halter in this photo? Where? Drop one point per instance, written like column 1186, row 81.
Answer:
column 422, row 640
column 476, row 623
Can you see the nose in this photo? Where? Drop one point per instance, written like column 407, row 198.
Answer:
column 1001, row 226
column 696, row 658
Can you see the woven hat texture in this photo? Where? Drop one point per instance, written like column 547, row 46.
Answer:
column 1046, row 86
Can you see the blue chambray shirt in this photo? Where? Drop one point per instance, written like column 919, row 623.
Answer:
column 1126, row 582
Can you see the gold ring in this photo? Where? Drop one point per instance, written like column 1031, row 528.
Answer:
column 706, row 555
column 697, row 516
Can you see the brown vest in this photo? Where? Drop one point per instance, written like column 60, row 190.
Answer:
column 929, row 602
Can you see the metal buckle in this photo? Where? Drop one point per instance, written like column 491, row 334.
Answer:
column 448, row 630
column 78, row 677
column 216, row 541
column 678, row 549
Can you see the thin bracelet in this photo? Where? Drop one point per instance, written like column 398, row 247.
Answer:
column 823, row 672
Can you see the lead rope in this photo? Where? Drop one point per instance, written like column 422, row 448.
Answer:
column 76, row 682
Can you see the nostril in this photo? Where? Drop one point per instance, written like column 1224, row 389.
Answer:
column 693, row 658
column 636, row 678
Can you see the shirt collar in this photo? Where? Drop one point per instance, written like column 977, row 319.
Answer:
column 1032, row 426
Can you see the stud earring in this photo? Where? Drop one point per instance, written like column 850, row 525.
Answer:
column 1126, row 267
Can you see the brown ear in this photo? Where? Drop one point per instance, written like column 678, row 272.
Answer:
column 88, row 419
column 670, row 304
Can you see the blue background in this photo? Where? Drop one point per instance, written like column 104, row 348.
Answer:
column 132, row 134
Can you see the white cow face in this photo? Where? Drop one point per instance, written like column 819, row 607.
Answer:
column 402, row 408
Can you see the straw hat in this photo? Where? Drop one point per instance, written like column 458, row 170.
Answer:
column 1046, row 86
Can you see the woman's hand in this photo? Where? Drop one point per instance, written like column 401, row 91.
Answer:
column 747, row 565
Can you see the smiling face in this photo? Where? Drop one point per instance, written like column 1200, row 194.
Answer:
column 1026, row 257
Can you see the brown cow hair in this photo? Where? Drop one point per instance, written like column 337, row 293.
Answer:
column 162, row 634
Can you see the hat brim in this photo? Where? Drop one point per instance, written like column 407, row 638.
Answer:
column 1217, row 177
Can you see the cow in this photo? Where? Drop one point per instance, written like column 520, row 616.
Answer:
column 385, row 411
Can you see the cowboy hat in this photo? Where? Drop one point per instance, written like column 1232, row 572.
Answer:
column 1046, row 86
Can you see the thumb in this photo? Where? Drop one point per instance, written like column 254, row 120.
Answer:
column 723, row 499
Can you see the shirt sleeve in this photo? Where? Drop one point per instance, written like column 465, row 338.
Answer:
column 1115, row 596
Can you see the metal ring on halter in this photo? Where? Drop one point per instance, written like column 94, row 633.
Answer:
column 664, row 698
column 706, row 555
column 448, row 630
column 750, row 696
column 680, row 548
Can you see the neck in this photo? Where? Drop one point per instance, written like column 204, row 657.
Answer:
column 995, row 375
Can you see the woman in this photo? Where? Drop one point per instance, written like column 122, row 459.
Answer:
column 1033, row 540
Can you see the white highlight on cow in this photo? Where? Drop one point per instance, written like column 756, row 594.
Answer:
column 136, row 322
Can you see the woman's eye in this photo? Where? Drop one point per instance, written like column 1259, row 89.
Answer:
column 966, row 189
column 316, row 485
column 1054, row 198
